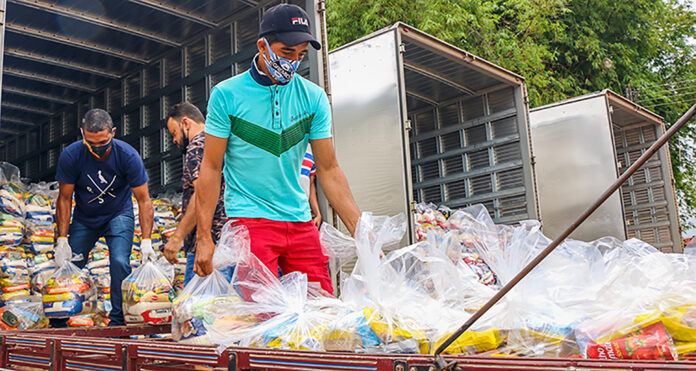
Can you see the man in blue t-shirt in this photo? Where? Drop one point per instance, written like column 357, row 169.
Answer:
column 259, row 125
column 103, row 173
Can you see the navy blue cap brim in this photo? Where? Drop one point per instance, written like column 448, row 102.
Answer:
column 295, row 38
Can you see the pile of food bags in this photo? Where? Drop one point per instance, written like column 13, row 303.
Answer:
column 604, row 299
column 40, row 217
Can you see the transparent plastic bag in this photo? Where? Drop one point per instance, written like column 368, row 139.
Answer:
column 14, row 276
column 40, row 236
column 41, row 268
column 11, row 230
column 70, row 291
column 203, row 300
column 11, row 191
column 88, row 320
column 287, row 313
column 23, row 316
column 148, row 295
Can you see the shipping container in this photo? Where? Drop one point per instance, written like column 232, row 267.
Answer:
column 419, row 120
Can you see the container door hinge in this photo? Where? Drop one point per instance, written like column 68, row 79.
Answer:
column 402, row 48
column 407, row 125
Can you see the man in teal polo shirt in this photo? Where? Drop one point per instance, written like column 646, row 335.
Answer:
column 259, row 124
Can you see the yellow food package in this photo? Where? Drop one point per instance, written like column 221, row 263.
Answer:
column 685, row 347
column 681, row 322
column 396, row 331
column 342, row 340
column 300, row 340
column 472, row 342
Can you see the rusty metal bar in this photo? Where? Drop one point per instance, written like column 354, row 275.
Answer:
column 440, row 363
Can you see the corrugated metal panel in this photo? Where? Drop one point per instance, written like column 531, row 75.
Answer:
column 475, row 156
column 220, row 44
column 645, row 203
column 195, row 57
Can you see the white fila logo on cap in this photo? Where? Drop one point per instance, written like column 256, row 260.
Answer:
column 302, row 21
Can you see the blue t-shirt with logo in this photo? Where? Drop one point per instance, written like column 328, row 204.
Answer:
column 268, row 128
column 102, row 188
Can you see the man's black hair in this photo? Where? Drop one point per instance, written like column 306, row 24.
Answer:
column 185, row 109
column 96, row 120
column 271, row 38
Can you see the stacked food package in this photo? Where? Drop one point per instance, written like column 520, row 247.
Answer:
column 98, row 268
column 15, row 276
column 40, row 217
column 12, row 208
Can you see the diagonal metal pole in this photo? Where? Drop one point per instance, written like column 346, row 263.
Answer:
column 440, row 363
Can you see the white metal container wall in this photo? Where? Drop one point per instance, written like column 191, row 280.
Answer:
column 416, row 119
column 646, row 207
column 574, row 153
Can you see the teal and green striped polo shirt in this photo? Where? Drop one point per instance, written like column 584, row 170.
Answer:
column 268, row 128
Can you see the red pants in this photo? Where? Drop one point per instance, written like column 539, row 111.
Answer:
column 294, row 246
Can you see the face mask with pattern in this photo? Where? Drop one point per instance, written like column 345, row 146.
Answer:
column 282, row 69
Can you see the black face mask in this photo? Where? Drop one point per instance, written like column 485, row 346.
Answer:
column 100, row 151
column 183, row 144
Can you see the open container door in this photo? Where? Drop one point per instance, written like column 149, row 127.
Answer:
column 419, row 120
column 584, row 144
column 648, row 197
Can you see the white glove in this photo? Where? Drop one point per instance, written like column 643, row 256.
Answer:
column 63, row 252
column 148, row 254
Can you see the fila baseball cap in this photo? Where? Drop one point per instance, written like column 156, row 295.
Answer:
column 289, row 23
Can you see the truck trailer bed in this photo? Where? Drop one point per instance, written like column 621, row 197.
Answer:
column 104, row 349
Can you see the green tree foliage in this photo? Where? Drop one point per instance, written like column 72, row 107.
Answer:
column 564, row 48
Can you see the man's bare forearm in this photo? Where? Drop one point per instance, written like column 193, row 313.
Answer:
column 207, row 191
column 336, row 189
column 147, row 216
column 313, row 202
column 63, row 212
column 188, row 221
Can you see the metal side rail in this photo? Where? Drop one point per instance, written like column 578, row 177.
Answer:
column 21, row 350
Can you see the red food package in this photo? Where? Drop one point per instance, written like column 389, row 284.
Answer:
column 651, row 342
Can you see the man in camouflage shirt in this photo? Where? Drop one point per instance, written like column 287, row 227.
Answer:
column 186, row 124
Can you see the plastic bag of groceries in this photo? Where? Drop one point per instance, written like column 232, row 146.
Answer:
column 206, row 300
column 287, row 313
column 88, row 320
column 23, row 315
column 38, row 202
column 69, row 291
column 40, row 236
column 148, row 294
column 41, row 268
column 645, row 308
column 379, row 294
column 11, row 193
column 14, row 273
column 11, row 230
